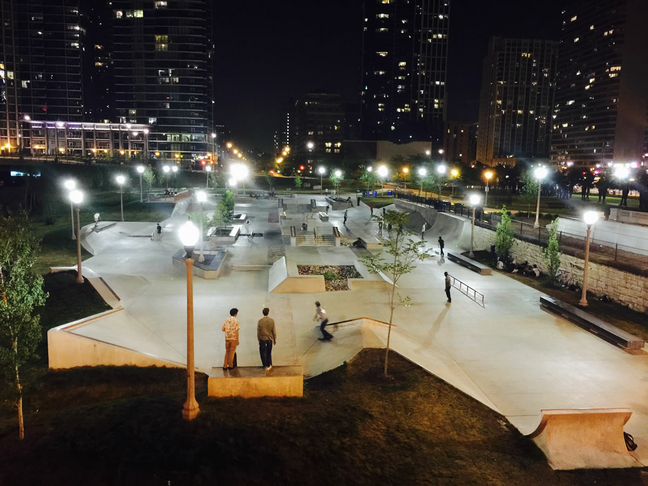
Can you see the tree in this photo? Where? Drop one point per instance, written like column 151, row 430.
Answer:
column 335, row 181
column 529, row 191
column 551, row 255
column 405, row 251
column 149, row 177
column 224, row 210
column 504, row 236
column 369, row 179
column 22, row 291
column 216, row 179
column 298, row 181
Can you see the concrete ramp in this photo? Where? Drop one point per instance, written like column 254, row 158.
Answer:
column 584, row 438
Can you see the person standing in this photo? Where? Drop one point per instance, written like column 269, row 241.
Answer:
column 423, row 231
column 321, row 317
column 327, row 208
column 448, row 284
column 158, row 233
column 372, row 209
column 267, row 336
column 441, row 245
column 358, row 201
column 346, row 213
column 231, row 329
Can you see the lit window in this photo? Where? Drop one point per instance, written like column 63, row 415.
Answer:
column 613, row 75
column 574, row 18
column 382, row 53
column 591, row 27
column 382, row 30
column 161, row 4
column 382, row 16
column 132, row 112
column 152, row 121
column 119, row 14
column 576, row 39
column 615, row 68
column 161, row 42
column 138, row 14
column 570, row 102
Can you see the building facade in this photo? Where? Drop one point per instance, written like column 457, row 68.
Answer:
column 602, row 92
column 516, row 101
column 460, row 142
column 163, row 57
column 404, row 63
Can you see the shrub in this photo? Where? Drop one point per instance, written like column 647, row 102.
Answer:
column 504, row 236
column 551, row 255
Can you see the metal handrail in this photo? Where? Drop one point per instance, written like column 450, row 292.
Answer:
column 468, row 290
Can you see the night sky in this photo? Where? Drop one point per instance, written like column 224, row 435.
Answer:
column 270, row 52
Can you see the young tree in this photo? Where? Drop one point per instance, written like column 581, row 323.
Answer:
column 149, row 177
column 216, row 179
column 298, row 181
column 22, row 291
column 529, row 191
column 369, row 180
column 404, row 252
column 551, row 255
column 224, row 210
column 335, row 181
column 504, row 235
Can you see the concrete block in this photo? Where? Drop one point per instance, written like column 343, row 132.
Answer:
column 254, row 382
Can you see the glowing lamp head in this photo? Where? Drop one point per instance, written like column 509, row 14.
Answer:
column 70, row 184
column 213, row 135
column 622, row 172
column 540, row 173
column 383, row 171
column 239, row 172
column 189, row 235
column 166, row 169
column 321, row 170
column 405, row 170
column 442, row 169
column 474, row 199
column 201, row 196
column 454, row 172
column 488, row 175
column 441, row 151
column 338, row 173
column 208, row 168
column 369, row 169
column 422, row 172
column 229, row 145
column 310, row 145
column 76, row 197
column 140, row 169
column 590, row 217
column 232, row 182
column 120, row 179
column 174, row 168
column 428, row 153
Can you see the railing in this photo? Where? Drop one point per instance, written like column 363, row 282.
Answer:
column 468, row 291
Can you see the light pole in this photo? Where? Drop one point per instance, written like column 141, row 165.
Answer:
column 321, row 171
column 487, row 175
column 441, row 169
column 422, row 172
column 453, row 173
column 240, row 172
column 202, row 197
column 338, row 175
column 540, row 173
column 70, row 185
column 590, row 217
column 474, row 201
column 166, row 169
column 174, row 169
column 76, row 198
column 208, row 169
column 383, row 172
column 140, row 171
column 120, row 180
column 189, row 237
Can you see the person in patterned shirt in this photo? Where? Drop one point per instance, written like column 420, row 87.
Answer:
column 231, row 329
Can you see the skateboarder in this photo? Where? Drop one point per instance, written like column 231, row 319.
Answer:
column 447, row 286
column 321, row 317
column 423, row 231
column 346, row 212
column 441, row 245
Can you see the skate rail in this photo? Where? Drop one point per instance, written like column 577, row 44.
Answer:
column 468, row 291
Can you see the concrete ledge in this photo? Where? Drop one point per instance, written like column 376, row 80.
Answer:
column 584, row 438
column 470, row 264
column 254, row 382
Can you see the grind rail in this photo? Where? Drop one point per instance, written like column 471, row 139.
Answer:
column 468, row 291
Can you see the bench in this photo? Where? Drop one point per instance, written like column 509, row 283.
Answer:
column 469, row 263
column 254, row 381
column 323, row 216
column 593, row 324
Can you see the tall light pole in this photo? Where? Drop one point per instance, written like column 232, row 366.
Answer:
column 540, row 173
column 174, row 169
column 422, row 172
column 474, row 201
column 590, row 217
column 166, row 169
column 208, row 169
column 120, row 181
column 487, row 175
column 441, row 169
column 202, row 197
column 76, row 198
column 453, row 173
column 338, row 175
column 70, row 185
column 140, row 171
column 383, row 172
column 189, row 237
column 321, row 171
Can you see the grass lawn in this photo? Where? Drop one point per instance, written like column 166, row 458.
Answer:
column 378, row 202
column 106, row 426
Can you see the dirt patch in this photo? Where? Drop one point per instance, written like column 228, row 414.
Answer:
column 335, row 276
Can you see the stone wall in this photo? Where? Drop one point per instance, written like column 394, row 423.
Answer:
column 623, row 287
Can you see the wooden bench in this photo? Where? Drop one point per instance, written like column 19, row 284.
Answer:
column 593, row 324
column 469, row 263
column 323, row 216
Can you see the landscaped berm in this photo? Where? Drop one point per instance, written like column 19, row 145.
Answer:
column 123, row 426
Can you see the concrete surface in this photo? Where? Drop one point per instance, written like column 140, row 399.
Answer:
column 255, row 382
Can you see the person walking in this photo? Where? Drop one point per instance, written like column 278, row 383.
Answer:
column 267, row 336
column 372, row 209
column 231, row 329
column 327, row 208
column 321, row 317
column 447, row 286
column 358, row 201
column 441, row 245
column 158, row 233
column 346, row 213
column 423, row 231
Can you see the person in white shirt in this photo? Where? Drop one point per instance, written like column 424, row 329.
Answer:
column 322, row 318
column 423, row 231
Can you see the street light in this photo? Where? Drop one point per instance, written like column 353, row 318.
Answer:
column 201, row 196
column 453, row 173
column 369, row 169
column 140, row 170
column 208, row 169
column 422, row 172
column 441, row 169
column 189, row 237
column 70, row 185
column 321, row 171
column 120, row 180
column 487, row 175
column 590, row 217
column 76, row 198
column 474, row 201
column 540, row 173
column 383, row 172
column 310, row 145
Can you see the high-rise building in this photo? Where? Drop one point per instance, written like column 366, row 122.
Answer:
column 163, row 55
column 516, row 102
column 602, row 88
column 404, row 63
column 460, row 142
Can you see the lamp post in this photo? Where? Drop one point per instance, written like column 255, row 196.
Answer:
column 453, row 173
column 140, row 171
column 590, row 217
column 174, row 169
column 202, row 197
column 338, row 175
column 70, row 185
column 422, row 172
column 76, row 198
column 441, row 169
column 166, row 169
column 120, row 180
column 540, row 173
column 208, row 169
column 383, row 172
column 321, row 171
column 487, row 175
column 240, row 172
column 474, row 201
column 189, row 237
